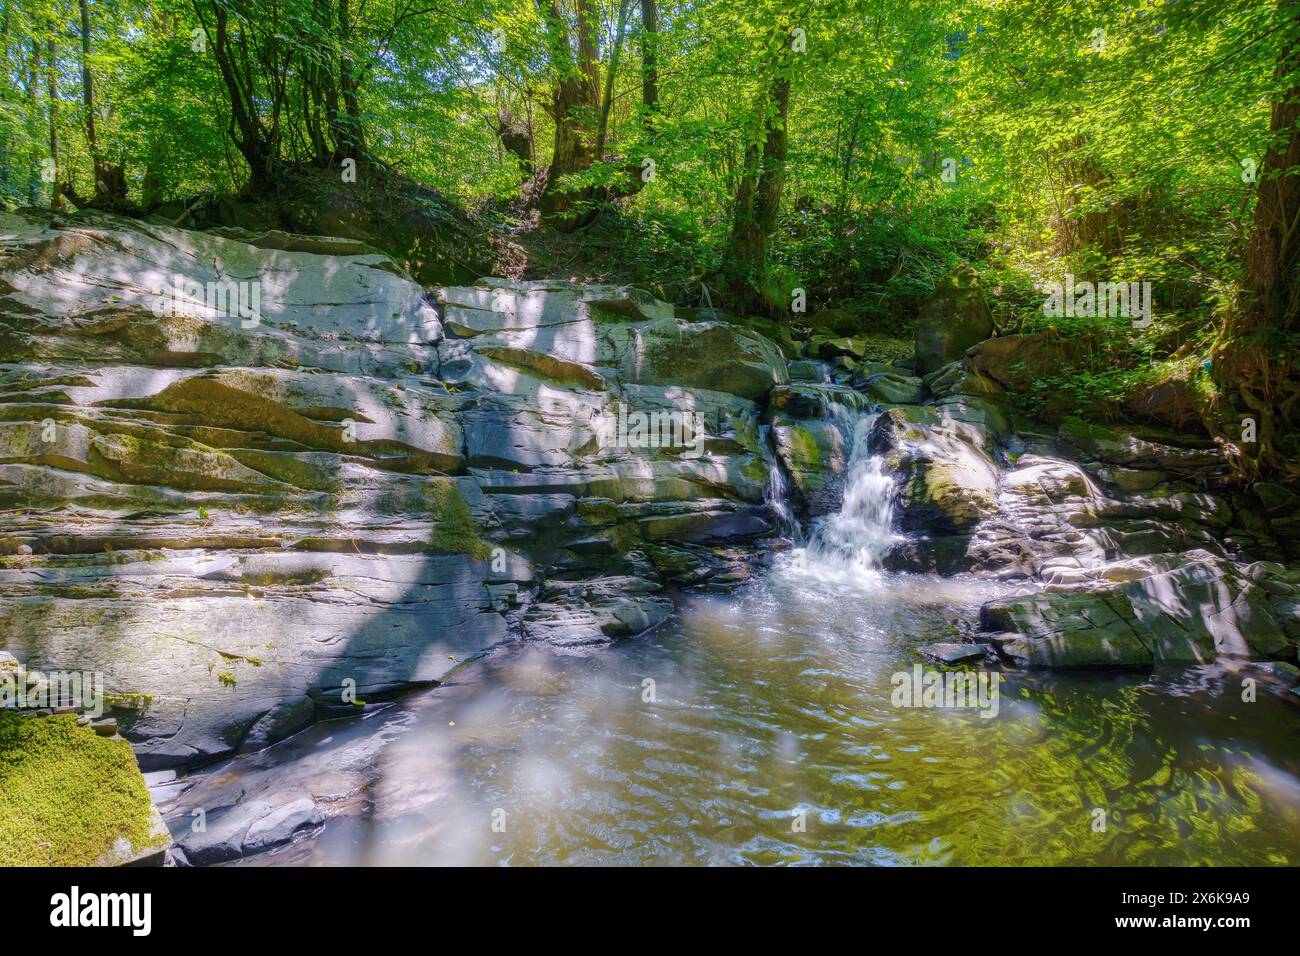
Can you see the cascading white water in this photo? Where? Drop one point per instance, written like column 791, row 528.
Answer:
column 862, row 531
column 852, row 542
column 778, row 501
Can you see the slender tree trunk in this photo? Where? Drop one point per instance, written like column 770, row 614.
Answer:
column 88, row 97
column 51, row 87
column 352, row 136
column 607, row 100
column 110, row 178
column 34, row 187
column 252, row 141
column 649, row 65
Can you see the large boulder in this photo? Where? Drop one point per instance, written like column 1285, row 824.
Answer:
column 712, row 355
column 1173, row 402
column 1119, row 447
column 952, row 320
column 946, row 480
column 433, row 238
column 1017, row 361
column 813, row 431
column 815, row 455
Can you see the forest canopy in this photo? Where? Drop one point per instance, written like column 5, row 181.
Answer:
column 844, row 154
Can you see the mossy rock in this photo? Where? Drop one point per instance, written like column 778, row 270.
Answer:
column 429, row 234
column 948, row 495
column 69, row 797
column 815, row 455
column 456, row 531
column 955, row 318
column 712, row 355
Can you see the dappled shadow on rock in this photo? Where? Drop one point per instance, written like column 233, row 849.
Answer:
column 246, row 525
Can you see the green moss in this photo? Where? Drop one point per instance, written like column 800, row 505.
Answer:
column 227, row 679
column 755, row 469
column 597, row 512
column 805, row 454
column 626, row 537
column 455, row 531
column 216, row 404
column 670, row 561
column 67, row 794
column 232, row 657
column 128, row 701
column 302, row 472
column 878, row 347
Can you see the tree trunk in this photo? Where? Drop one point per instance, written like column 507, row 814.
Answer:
column 1254, row 364
column 349, row 134
column 34, row 186
column 574, row 106
column 51, row 86
column 1274, row 253
column 649, row 65
column 758, row 201
column 607, row 100
column 98, row 169
column 252, row 141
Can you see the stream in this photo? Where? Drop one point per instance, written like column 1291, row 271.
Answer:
column 760, row 727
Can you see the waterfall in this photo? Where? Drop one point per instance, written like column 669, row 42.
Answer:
column 852, row 542
column 777, row 498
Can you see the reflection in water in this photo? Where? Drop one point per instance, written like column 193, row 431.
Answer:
column 757, row 727
column 776, row 700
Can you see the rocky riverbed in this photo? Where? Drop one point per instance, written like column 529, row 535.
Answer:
column 250, row 523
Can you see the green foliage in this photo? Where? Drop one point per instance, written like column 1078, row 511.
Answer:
column 1100, row 138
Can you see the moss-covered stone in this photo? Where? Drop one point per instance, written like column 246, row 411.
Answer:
column 805, row 455
column 953, row 320
column 68, row 795
column 625, row 537
column 456, row 531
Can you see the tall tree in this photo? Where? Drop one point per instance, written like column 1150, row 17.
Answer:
column 110, row 180
column 758, row 193
column 649, row 64
column 1274, row 254
column 52, row 94
column 575, row 101
column 607, row 100
column 1256, row 365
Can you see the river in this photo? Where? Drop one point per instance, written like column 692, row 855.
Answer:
column 761, row 726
